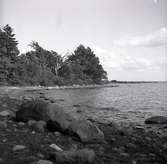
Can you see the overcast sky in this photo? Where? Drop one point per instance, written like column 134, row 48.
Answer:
column 129, row 36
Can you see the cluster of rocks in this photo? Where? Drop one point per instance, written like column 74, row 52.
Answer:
column 43, row 117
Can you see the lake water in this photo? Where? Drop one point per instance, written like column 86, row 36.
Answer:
column 127, row 102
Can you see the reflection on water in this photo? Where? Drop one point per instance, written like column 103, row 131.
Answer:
column 128, row 101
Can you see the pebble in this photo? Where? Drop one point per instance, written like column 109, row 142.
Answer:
column 124, row 155
column 57, row 148
column 21, row 123
column 4, row 113
column 57, row 134
column 18, row 147
column 4, row 140
column 31, row 122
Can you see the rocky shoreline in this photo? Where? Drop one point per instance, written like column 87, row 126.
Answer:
column 31, row 142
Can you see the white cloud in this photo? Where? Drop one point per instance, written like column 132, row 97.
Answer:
column 155, row 1
column 158, row 38
column 115, row 60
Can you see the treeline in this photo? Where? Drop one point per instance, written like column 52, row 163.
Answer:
column 46, row 68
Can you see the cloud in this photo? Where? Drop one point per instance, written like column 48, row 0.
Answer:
column 155, row 1
column 116, row 60
column 157, row 38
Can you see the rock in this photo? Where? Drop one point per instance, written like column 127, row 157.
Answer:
column 57, row 134
column 125, row 155
column 40, row 155
column 57, row 148
column 59, row 120
column 5, row 113
column 21, row 123
column 31, row 122
column 82, row 156
column 156, row 120
column 18, row 147
column 3, row 124
column 38, row 126
column 86, row 131
column 43, row 162
column 32, row 110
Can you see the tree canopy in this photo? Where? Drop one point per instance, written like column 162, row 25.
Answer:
column 46, row 67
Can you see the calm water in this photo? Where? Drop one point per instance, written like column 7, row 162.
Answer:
column 130, row 102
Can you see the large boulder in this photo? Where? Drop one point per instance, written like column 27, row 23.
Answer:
column 86, row 131
column 59, row 119
column 156, row 120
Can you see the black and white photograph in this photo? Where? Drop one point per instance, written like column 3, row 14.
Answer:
column 83, row 81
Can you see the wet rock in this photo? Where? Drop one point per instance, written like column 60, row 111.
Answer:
column 55, row 147
column 43, row 162
column 3, row 124
column 59, row 120
column 18, row 147
column 156, row 120
column 86, row 131
column 82, row 156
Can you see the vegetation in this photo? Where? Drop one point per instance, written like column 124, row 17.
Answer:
column 44, row 67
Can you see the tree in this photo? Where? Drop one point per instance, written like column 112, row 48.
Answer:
column 89, row 63
column 8, row 56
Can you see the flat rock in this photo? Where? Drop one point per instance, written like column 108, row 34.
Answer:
column 55, row 147
column 5, row 113
column 18, row 147
column 82, row 156
column 156, row 120
column 43, row 162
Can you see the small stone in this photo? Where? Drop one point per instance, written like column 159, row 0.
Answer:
column 3, row 124
column 21, row 123
column 126, row 155
column 43, row 162
column 40, row 126
column 14, row 125
column 139, row 127
column 4, row 140
column 57, row 148
column 31, row 122
column 40, row 155
column 18, row 147
column 33, row 132
column 4, row 113
column 57, row 134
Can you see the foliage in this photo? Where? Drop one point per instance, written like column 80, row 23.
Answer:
column 43, row 67
column 88, row 64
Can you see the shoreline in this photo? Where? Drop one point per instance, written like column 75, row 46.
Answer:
column 123, row 144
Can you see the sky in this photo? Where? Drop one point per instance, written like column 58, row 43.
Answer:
column 128, row 36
